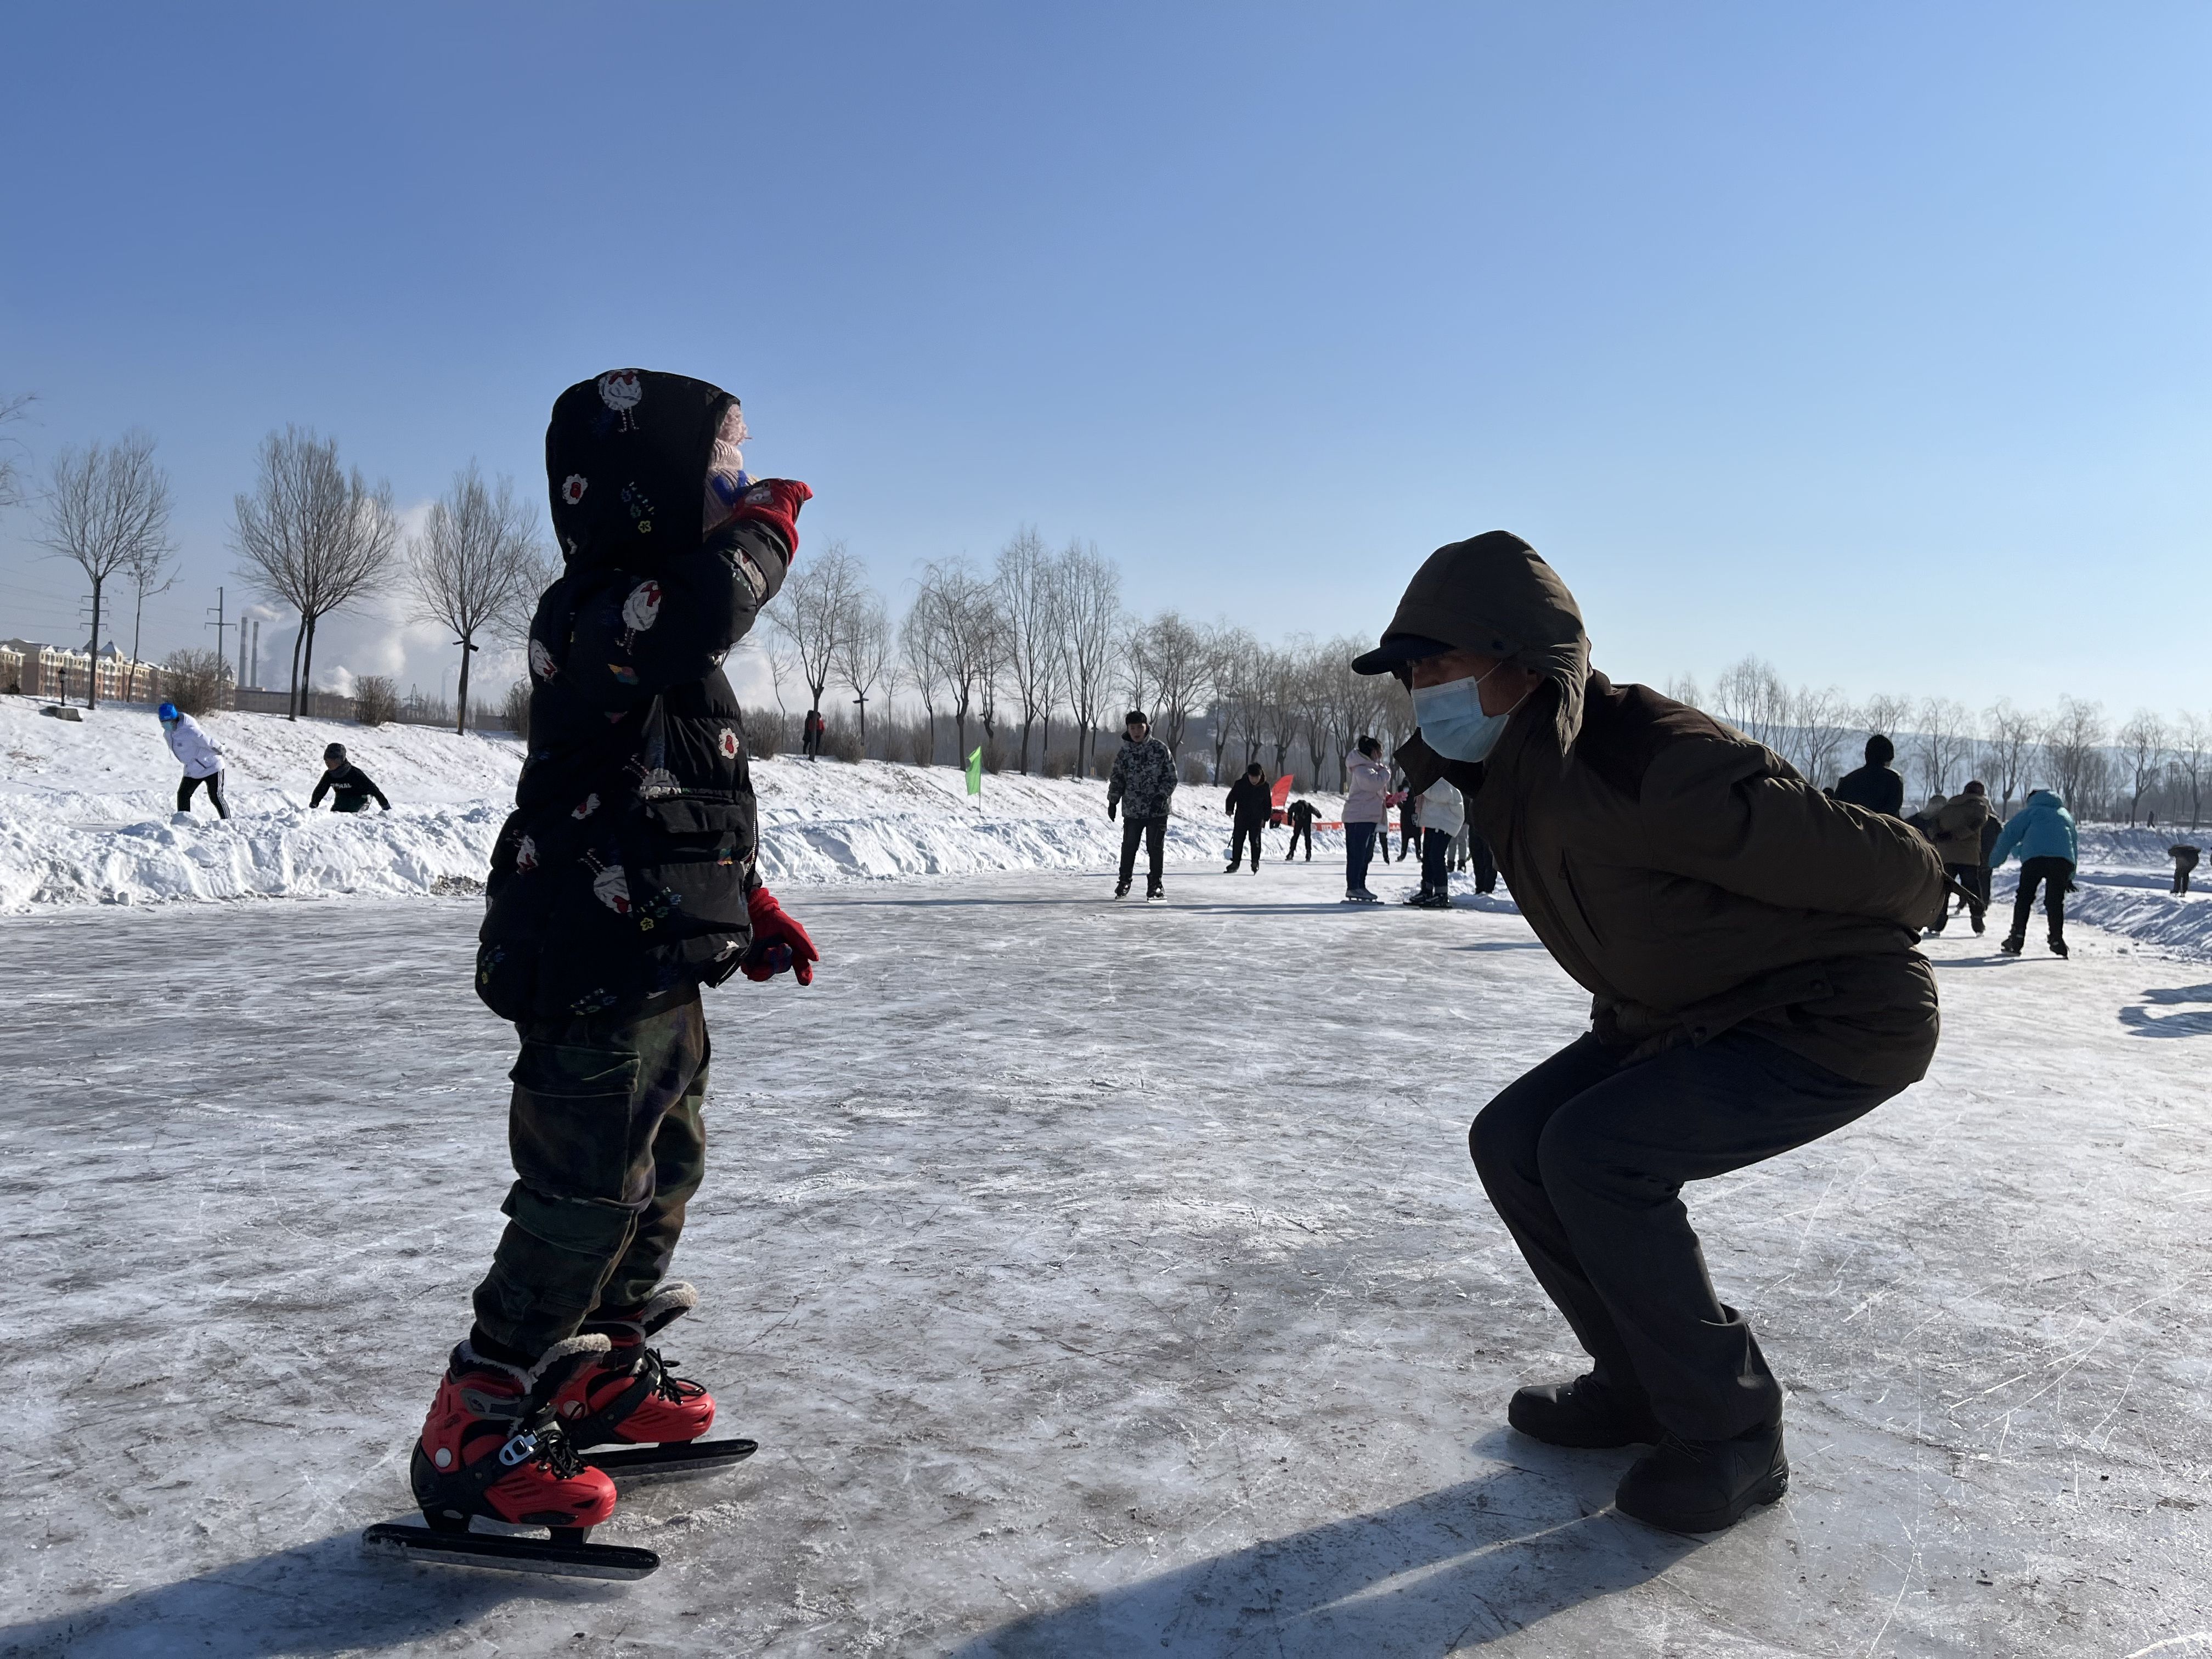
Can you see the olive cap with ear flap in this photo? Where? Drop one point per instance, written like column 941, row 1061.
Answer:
column 1494, row 595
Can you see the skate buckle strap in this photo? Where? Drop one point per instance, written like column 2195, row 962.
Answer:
column 519, row 1449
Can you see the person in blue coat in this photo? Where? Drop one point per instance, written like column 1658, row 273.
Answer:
column 2042, row 833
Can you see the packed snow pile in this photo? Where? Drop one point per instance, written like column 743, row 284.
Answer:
column 88, row 814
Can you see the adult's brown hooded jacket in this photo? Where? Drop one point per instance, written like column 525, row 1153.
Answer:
column 1958, row 829
column 1689, row 877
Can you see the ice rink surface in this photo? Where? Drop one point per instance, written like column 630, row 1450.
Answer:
column 1100, row 1280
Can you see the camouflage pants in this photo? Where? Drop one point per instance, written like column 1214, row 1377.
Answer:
column 609, row 1142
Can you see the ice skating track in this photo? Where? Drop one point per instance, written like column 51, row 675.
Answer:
column 1100, row 1281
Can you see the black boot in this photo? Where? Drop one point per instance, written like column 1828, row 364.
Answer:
column 1703, row 1485
column 2010, row 944
column 2057, row 946
column 1584, row 1414
column 1121, row 890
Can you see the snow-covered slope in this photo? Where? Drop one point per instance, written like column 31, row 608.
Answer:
column 86, row 812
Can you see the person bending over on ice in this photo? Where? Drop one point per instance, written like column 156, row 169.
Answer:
column 197, row 753
column 349, row 788
column 1250, row 800
column 1302, row 814
column 1142, row 788
column 623, row 881
column 1749, row 946
column 2184, row 859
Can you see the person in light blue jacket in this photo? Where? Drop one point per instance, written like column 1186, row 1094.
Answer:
column 2042, row 833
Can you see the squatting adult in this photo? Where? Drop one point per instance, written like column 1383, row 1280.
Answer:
column 1749, row 946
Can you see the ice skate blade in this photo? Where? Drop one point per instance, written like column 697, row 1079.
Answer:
column 495, row 1550
column 677, row 1460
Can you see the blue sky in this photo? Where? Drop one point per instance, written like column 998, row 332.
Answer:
column 1872, row 339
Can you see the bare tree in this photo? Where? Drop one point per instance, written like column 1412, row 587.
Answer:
column 863, row 650
column 819, row 600
column 312, row 536
column 1231, row 671
column 1751, row 697
column 1171, row 655
column 956, row 610
column 2008, row 747
column 1091, row 598
column 1887, row 714
column 2144, row 744
column 12, row 410
column 2192, row 748
column 1031, row 606
column 1819, row 723
column 476, row 566
column 107, row 509
column 2074, row 747
column 151, row 573
column 1946, row 738
column 925, row 667
column 1280, row 685
column 1683, row 687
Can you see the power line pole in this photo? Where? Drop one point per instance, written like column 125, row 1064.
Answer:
column 219, row 624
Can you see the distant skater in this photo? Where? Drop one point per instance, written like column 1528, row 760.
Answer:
column 1749, row 947
column 1958, row 825
column 1874, row 785
column 1250, row 800
column 1142, row 788
column 2184, row 860
column 809, row 735
column 1302, row 814
column 1442, row 818
column 1366, row 815
column 350, row 788
column 199, row 755
column 2042, row 833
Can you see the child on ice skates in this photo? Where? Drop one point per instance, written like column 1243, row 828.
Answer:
column 624, row 882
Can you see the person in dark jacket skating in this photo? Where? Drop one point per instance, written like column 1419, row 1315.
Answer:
column 2184, row 859
column 1249, row 802
column 1749, row 946
column 1142, row 788
column 1875, row 786
column 1302, row 814
column 624, row 882
column 350, row 788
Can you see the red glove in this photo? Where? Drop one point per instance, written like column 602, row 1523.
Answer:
column 775, row 502
column 778, row 941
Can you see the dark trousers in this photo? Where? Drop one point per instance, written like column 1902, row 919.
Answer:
column 1435, row 861
column 1359, row 852
column 1406, row 833
column 1154, row 831
column 607, row 1129
column 1486, row 864
column 1585, row 1161
column 2053, row 874
column 2181, row 877
column 186, row 790
column 1245, row 833
column 1300, row 832
column 1971, row 877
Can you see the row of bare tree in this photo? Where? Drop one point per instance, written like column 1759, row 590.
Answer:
column 312, row 536
column 2149, row 764
column 1042, row 635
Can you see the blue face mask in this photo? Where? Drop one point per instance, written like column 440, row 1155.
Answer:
column 1452, row 721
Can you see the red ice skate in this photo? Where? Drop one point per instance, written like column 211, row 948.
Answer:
column 492, row 1446
column 628, row 1393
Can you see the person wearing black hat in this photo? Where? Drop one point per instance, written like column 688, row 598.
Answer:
column 349, row 787
column 1876, row 785
column 1749, row 946
column 1142, row 789
column 625, row 880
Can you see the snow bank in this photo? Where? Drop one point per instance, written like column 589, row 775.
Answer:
column 86, row 812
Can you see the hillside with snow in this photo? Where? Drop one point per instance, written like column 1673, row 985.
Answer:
column 87, row 815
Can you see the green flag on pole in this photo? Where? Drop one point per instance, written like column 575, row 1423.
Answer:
column 975, row 774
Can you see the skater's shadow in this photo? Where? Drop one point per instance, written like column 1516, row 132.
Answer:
column 325, row 1597
column 1459, row 1567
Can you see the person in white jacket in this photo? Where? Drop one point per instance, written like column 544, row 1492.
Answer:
column 199, row 754
column 1442, row 816
column 1367, row 802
